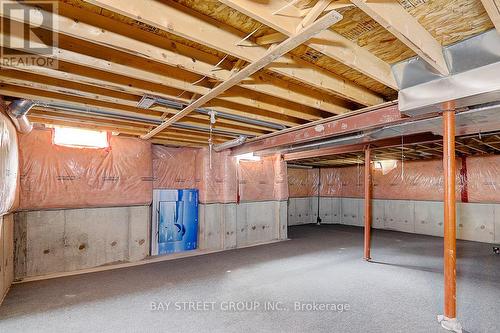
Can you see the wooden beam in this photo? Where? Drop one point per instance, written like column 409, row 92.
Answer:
column 182, row 21
column 395, row 19
column 40, row 117
column 327, row 42
column 29, row 93
column 271, row 55
column 122, row 37
column 493, row 9
column 116, row 84
column 121, row 67
column 313, row 14
column 335, row 5
column 78, row 90
column 276, row 37
column 45, row 115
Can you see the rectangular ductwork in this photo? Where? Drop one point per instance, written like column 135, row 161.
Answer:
column 474, row 78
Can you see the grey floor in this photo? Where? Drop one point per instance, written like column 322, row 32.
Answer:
column 400, row 291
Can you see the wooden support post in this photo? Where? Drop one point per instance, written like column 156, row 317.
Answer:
column 368, row 203
column 449, row 210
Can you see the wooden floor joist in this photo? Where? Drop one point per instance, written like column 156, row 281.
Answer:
column 111, row 53
column 327, row 42
column 29, row 93
column 89, row 79
column 271, row 55
column 133, row 44
column 192, row 27
column 392, row 16
column 493, row 9
column 118, row 67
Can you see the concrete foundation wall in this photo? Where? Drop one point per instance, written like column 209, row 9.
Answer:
column 229, row 226
column 6, row 254
column 57, row 241
column 73, row 239
column 475, row 221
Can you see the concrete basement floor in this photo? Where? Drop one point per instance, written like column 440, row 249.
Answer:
column 400, row 291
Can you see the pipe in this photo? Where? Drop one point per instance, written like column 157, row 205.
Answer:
column 148, row 100
column 18, row 110
column 230, row 144
column 116, row 115
column 24, row 125
column 298, row 166
column 317, row 145
column 450, row 246
column 21, row 107
column 318, row 217
column 464, row 193
column 368, row 204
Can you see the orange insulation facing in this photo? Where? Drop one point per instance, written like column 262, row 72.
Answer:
column 416, row 180
column 55, row 176
column 219, row 175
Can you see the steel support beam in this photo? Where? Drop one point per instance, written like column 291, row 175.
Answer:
column 368, row 204
column 449, row 321
column 325, row 128
column 359, row 147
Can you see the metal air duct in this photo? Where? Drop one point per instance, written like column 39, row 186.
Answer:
column 230, row 144
column 149, row 100
column 18, row 110
column 474, row 65
column 22, row 105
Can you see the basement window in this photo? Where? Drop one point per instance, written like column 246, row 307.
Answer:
column 247, row 157
column 80, row 138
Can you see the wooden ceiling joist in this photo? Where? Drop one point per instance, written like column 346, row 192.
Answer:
column 270, row 56
column 116, row 84
column 48, row 96
column 313, row 14
column 140, row 127
column 204, row 53
column 327, row 42
column 185, row 23
column 122, row 102
column 395, row 19
column 130, row 41
column 127, row 70
column 493, row 9
column 276, row 37
column 72, row 89
column 41, row 117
